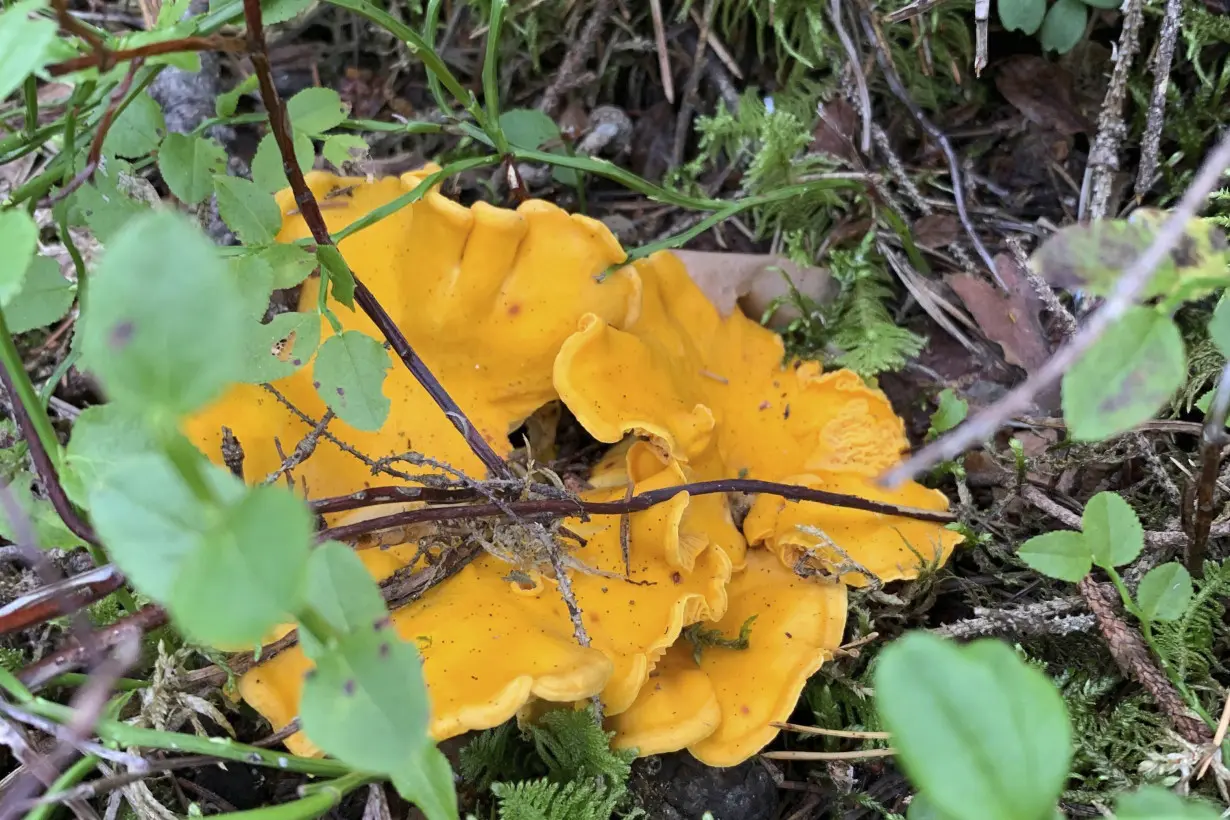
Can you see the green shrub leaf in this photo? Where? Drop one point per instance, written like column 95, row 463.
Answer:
column 45, row 297
column 267, row 169
column 19, row 238
column 1113, row 533
column 429, row 786
column 280, row 347
column 1122, row 380
column 1062, row 554
column 291, row 264
column 979, row 732
column 528, row 127
column 163, row 327
column 1164, row 592
column 1021, row 15
column 349, row 376
column 25, row 43
column 1155, row 803
column 342, row 148
column 189, row 165
column 1064, row 25
column 138, row 129
column 315, row 110
column 249, row 211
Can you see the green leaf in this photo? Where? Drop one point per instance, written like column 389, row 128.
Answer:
column 949, row 412
column 1164, row 592
column 1155, row 803
column 1113, row 533
column 342, row 148
column 1219, row 326
column 279, row 11
column 1064, row 25
column 349, row 376
column 1128, row 373
column 25, row 43
column 253, row 275
column 1062, row 554
column 366, row 703
column 1093, row 256
column 341, row 280
column 342, row 590
column 528, row 128
column 102, row 436
column 163, row 327
column 1021, row 15
column 138, row 129
column 315, row 110
column 226, row 104
column 291, row 264
column 247, row 574
column 19, row 238
column 429, row 786
column 1109, row 5
column 980, row 732
column 250, row 212
column 49, row 531
column 45, row 297
column 108, row 204
column 282, row 346
column 189, row 164
column 267, row 169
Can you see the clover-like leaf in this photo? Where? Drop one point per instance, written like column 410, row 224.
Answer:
column 1164, row 592
column 110, row 202
column 342, row 148
column 1021, row 15
column 1113, row 533
column 102, row 436
column 189, row 164
column 290, row 264
column 163, row 327
column 48, row 529
column 1062, row 554
column 19, row 238
column 950, row 411
column 979, row 731
column 1127, row 374
column 315, row 110
column 528, row 127
column 349, row 376
column 249, row 211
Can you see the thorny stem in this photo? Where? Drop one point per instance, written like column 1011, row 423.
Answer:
column 183, row 44
column 1212, row 439
column 310, row 209
column 557, row 507
column 1128, row 287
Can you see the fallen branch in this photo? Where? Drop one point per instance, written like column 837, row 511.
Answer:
column 1127, row 289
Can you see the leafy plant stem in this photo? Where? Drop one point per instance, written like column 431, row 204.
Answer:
column 304, row 808
column 342, row 785
column 429, row 37
column 125, row 734
column 314, row 623
column 30, row 91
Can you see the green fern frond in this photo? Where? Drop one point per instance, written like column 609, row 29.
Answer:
column 494, row 755
column 547, row 800
column 573, row 746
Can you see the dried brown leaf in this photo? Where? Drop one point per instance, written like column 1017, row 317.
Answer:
column 836, row 130
column 1042, row 92
column 935, row 231
column 753, row 281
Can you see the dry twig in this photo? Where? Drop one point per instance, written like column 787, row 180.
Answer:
column 1212, row 440
column 569, row 74
column 1162, row 60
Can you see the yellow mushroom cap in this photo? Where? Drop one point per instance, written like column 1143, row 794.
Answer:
column 676, row 708
column 799, row 623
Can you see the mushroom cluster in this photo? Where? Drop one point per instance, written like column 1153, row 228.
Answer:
column 513, row 310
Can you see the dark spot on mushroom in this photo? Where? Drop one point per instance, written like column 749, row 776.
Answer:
column 745, row 710
column 348, row 687
column 121, row 335
column 764, row 405
column 788, row 635
column 677, row 578
column 786, row 412
column 514, row 309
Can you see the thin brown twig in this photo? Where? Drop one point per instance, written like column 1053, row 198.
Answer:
column 105, row 59
column 884, row 58
column 303, row 450
column 574, row 61
column 664, row 57
column 559, row 507
column 1150, row 143
column 60, row 597
column 94, row 157
column 279, row 126
column 1128, row 287
column 854, row 64
column 73, row 656
column 1212, row 440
